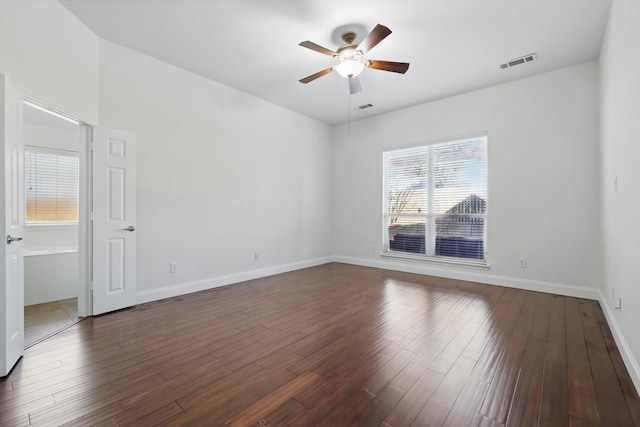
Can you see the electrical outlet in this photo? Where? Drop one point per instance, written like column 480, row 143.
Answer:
column 297, row 251
column 522, row 262
column 373, row 250
column 173, row 268
column 619, row 307
column 256, row 256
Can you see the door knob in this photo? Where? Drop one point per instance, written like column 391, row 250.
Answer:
column 130, row 228
column 12, row 239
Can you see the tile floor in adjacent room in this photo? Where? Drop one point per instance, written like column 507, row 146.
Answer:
column 43, row 320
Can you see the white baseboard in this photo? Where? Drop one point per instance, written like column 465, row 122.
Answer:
column 623, row 347
column 473, row 275
column 215, row 282
column 459, row 274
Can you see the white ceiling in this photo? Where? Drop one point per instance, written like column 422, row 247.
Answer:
column 454, row 46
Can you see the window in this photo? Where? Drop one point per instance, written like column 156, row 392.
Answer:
column 51, row 180
column 435, row 200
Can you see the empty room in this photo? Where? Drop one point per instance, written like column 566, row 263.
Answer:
column 320, row 213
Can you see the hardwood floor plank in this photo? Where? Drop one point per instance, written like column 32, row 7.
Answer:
column 377, row 409
column 433, row 414
column 534, row 353
column 587, row 313
column 466, row 407
column 352, row 402
column 16, row 408
column 200, row 392
column 79, row 406
column 16, row 420
column 338, row 389
column 411, row 372
column 501, row 392
column 155, row 398
column 102, row 415
column 582, row 396
column 577, row 422
column 525, row 407
column 154, row 417
column 449, row 388
column 557, row 333
column 375, row 383
column 611, row 403
column 483, row 421
column 488, row 363
column 287, row 414
column 554, row 405
column 256, row 412
column 414, row 399
column 235, row 399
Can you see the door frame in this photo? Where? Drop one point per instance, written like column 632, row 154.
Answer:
column 85, row 229
column 86, row 205
column 85, row 181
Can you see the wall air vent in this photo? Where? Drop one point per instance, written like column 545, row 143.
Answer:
column 363, row 106
column 517, row 61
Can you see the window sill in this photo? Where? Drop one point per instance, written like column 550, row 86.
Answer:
column 458, row 262
column 48, row 226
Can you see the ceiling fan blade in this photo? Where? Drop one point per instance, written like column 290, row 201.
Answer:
column 375, row 36
column 312, row 77
column 396, row 67
column 354, row 85
column 317, row 48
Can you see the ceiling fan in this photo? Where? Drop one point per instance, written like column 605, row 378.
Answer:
column 351, row 60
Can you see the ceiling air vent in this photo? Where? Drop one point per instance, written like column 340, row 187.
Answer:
column 517, row 61
column 364, row 106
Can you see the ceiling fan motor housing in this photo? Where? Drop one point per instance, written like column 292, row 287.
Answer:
column 349, row 37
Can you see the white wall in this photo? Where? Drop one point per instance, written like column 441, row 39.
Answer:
column 543, row 183
column 50, row 277
column 40, row 135
column 50, row 55
column 221, row 175
column 620, row 112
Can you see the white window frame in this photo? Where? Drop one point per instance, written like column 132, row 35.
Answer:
column 51, row 225
column 430, row 217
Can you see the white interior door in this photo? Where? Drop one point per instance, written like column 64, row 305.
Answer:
column 114, row 220
column 12, row 199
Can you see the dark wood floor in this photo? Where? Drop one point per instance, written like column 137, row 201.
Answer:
column 334, row 345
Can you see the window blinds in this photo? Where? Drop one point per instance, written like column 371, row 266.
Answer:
column 436, row 199
column 51, row 180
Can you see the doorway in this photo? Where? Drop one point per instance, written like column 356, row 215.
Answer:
column 106, row 220
column 52, row 222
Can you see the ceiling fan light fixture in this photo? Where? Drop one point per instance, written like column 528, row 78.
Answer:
column 351, row 60
column 350, row 68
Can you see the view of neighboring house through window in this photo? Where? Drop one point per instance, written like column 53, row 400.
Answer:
column 51, row 180
column 435, row 200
